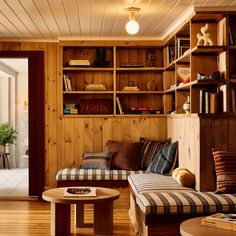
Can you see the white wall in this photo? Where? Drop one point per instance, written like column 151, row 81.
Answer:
column 4, row 99
column 21, row 119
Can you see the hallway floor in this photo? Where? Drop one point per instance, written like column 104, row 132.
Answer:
column 14, row 182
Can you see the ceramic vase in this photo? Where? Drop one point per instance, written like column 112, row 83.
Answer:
column 186, row 105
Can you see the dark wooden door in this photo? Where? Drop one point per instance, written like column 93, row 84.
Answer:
column 36, row 117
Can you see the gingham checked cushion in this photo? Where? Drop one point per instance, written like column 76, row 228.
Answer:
column 93, row 174
column 173, row 203
column 149, row 182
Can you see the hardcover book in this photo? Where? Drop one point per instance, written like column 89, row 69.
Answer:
column 80, row 192
column 220, row 220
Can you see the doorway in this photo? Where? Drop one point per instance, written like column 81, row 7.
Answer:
column 35, row 117
column 14, row 110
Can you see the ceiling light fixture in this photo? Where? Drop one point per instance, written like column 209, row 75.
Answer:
column 132, row 26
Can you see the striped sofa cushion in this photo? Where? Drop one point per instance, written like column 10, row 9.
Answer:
column 173, row 203
column 148, row 150
column 93, row 174
column 154, row 182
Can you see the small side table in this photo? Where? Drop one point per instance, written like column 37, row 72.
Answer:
column 5, row 160
column 194, row 227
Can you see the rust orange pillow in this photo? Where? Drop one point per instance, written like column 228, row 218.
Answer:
column 225, row 167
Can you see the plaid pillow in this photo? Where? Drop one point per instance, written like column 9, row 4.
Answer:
column 225, row 167
column 147, row 151
column 96, row 160
column 165, row 160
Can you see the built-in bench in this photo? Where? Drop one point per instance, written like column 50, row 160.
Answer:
column 159, row 205
column 94, row 177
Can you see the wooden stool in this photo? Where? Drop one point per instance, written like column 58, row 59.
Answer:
column 5, row 160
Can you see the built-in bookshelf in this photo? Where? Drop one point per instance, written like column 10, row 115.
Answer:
column 143, row 79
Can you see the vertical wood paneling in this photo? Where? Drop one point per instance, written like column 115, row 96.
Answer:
column 135, row 132
column 69, row 139
column 232, row 132
column 51, row 115
column 115, row 127
column 79, row 141
column 98, row 135
column 88, row 135
column 107, row 132
column 126, row 129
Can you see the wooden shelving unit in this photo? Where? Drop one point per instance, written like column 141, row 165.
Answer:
column 143, row 64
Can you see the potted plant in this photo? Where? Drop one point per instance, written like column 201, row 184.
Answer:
column 7, row 136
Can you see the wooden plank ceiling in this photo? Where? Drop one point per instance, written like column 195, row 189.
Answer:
column 99, row 19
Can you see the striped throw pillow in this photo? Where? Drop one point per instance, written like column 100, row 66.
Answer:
column 96, row 160
column 165, row 160
column 148, row 150
column 225, row 167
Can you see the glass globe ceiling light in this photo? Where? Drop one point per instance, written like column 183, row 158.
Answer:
column 132, row 27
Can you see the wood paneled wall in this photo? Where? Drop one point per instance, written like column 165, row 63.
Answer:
column 197, row 135
column 67, row 138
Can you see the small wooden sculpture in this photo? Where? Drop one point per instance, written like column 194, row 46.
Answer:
column 204, row 37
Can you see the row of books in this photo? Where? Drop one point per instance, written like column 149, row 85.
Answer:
column 209, row 102
column 144, row 110
column 182, row 46
column 67, row 83
column 221, row 221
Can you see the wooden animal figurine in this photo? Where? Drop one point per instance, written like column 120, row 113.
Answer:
column 204, row 37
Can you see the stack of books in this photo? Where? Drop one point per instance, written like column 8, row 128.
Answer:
column 144, row 110
column 95, row 87
column 130, row 88
column 70, row 108
column 220, row 220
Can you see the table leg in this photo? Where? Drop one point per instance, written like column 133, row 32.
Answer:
column 79, row 215
column 60, row 219
column 103, row 218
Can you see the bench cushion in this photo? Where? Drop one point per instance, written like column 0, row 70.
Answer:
column 93, row 174
column 173, row 203
column 150, row 182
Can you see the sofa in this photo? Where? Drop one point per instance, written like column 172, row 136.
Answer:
column 161, row 196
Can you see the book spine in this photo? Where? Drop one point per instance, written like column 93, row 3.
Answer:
column 65, row 82
column 213, row 103
column 202, row 101
column 119, row 105
column 207, row 105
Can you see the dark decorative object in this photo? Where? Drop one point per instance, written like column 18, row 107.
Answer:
column 130, row 83
column 214, row 75
column 151, row 60
column 78, row 190
column 100, row 60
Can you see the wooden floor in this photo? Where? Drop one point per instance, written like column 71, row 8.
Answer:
column 32, row 218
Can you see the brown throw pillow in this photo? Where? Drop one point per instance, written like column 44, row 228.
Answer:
column 225, row 167
column 124, row 155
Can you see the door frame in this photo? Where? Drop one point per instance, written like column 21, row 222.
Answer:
column 36, row 117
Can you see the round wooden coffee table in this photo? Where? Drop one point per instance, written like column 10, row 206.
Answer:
column 60, row 210
column 194, row 227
